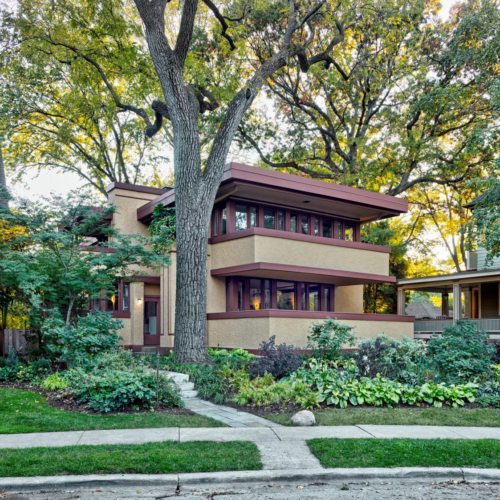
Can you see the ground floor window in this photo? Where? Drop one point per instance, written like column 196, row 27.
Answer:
column 253, row 294
column 116, row 300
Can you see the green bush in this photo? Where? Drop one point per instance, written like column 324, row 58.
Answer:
column 401, row 360
column 55, row 383
column 328, row 338
column 461, row 354
column 111, row 390
column 234, row 359
column 93, row 334
column 11, row 368
column 485, row 401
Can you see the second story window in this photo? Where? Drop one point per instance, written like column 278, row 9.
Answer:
column 281, row 220
column 305, row 224
column 241, row 217
column 349, row 232
column 327, row 228
column 293, row 223
column 269, row 219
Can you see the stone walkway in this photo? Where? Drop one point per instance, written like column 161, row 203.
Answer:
column 280, row 447
column 226, row 414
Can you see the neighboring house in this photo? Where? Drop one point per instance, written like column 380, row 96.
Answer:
column 422, row 310
column 284, row 251
column 472, row 294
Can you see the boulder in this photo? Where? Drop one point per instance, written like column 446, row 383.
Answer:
column 303, row 418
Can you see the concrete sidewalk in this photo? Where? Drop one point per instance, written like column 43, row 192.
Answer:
column 279, row 447
column 256, row 435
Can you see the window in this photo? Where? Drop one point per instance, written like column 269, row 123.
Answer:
column 255, row 294
column 241, row 292
column 223, row 221
column 313, row 297
column 286, row 295
column 241, row 217
column 341, row 232
column 305, row 224
column 293, row 223
column 327, row 299
column 281, row 221
column 269, row 219
column 327, row 228
column 316, row 226
column 303, row 298
column 254, row 221
column 126, row 297
column 267, row 294
column 349, row 232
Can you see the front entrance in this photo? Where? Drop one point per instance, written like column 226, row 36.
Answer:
column 152, row 323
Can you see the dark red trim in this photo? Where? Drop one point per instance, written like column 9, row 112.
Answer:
column 144, row 212
column 282, row 313
column 137, row 188
column 155, row 280
column 267, row 266
column 288, row 235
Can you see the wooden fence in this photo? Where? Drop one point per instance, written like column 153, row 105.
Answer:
column 15, row 338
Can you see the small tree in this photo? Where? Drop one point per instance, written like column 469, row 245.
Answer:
column 71, row 253
column 328, row 338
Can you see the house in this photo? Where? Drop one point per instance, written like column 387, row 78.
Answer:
column 422, row 310
column 284, row 251
column 472, row 294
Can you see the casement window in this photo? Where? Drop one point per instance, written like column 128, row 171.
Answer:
column 348, row 232
column 327, row 228
column 254, row 294
column 269, row 219
column 293, row 223
column 241, row 217
column 281, row 220
column 116, row 301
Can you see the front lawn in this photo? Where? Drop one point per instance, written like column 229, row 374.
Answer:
column 150, row 458
column 24, row 411
column 480, row 417
column 484, row 453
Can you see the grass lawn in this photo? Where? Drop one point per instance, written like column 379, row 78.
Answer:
column 484, row 453
column 24, row 411
column 150, row 458
column 481, row 417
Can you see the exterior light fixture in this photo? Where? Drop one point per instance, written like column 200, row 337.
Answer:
column 139, row 301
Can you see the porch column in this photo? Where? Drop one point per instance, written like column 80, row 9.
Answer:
column 457, row 302
column 445, row 304
column 401, row 301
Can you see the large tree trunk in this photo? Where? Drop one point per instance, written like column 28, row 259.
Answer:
column 4, row 201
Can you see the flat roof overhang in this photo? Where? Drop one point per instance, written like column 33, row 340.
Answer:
column 444, row 282
column 279, row 188
column 287, row 272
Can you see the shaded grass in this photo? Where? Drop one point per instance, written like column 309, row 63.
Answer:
column 481, row 417
column 24, row 411
column 484, row 453
column 150, row 458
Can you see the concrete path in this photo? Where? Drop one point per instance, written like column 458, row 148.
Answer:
column 226, row 414
column 280, row 447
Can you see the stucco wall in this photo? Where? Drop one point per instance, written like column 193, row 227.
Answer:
column 349, row 299
column 133, row 333
column 249, row 332
column 297, row 253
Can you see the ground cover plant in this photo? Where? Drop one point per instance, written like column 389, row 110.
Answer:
column 483, row 453
column 23, row 411
column 150, row 458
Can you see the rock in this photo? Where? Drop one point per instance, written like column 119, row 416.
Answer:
column 303, row 418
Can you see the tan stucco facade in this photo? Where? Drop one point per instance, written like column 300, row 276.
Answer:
column 259, row 248
column 248, row 333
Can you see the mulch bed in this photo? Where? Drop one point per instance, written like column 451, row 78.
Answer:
column 63, row 401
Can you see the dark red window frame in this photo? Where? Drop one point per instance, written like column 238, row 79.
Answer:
column 234, row 282
column 337, row 224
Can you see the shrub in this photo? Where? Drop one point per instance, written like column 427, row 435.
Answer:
column 54, row 383
column 92, row 334
column 485, row 401
column 402, row 360
column 279, row 360
column 10, row 371
column 495, row 355
column 110, row 390
column 328, row 338
column 461, row 353
column 234, row 359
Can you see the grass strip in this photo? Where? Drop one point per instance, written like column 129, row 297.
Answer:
column 25, row 412
column 483, row 453
column 480, row 417
column 150, row 458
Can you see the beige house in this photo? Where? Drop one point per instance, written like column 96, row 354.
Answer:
column 284, row 251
